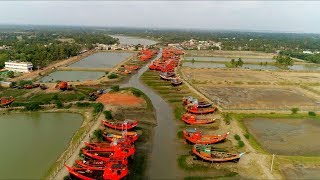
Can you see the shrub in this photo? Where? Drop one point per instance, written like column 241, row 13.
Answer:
column 107, row 72
column 108, row 114
column 311, row 113
column 25, row 82
column 68, row 106
column 112, row 76
column 32, row 106
column 136, row 92
column 98, row 134
column 227, row 118
column 83, row 104
column 240, row 144
column 10, row 74
column 97, row 107
column 115, row 88
column 55, row 97
column 59, row 104
column 247, row 136
column 237, row 137
column 294, row 110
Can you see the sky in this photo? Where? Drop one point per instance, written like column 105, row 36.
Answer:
column 277, row 16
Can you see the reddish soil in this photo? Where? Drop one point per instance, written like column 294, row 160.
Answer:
column 120, row 99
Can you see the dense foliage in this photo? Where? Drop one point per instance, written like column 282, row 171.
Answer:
column 284, row 61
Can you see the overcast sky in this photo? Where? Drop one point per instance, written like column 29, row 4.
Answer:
column 281, row 16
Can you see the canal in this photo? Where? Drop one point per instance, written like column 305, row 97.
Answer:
column 162, row 163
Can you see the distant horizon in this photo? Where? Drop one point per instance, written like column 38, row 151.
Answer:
column 250, row 16
column 163, row 28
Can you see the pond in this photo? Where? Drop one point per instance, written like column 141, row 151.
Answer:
column 286, row 136
column 222, row 65
column 33, row 141
column 71, row 76
column 102, row 60
column 130, row 40
column 227, row 59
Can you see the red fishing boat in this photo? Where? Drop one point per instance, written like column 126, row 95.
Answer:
column 176, row 81
column 191, row 119
column 84, row 173
column 124, row 125
column 106, row 155
column 115, row 171
column 127, row 150
column 123, row 137
column 92, row 164
column 195, row 136
column 207, row 153
column 195, row 110
column 6, row 101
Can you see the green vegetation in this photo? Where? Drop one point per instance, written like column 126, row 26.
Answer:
column 136, row 92
column 97, row 107
column 108, row 114
column 59, row 104
column 294, row 110
column 247, row 135
column 283, row 61
column 314, row 58
column 311, row 113
column 10, row 74
column 98, row 134
column 237, row 137
column 178, row 112
column 83, row 104
column 115, row 88
column 32, row 106
column 226, row 117
column 234, row 64
column 112, row 76
column 25, row 82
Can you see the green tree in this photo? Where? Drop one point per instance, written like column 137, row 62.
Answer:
column 10, row 74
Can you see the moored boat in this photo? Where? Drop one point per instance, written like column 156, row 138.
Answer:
column 191, row 100
column 166, row 77
column 126, row 137
column 105, row 155
column 176, row 81
column 92, row 164
column 115, row 171
column 125, row 149
column 84, row 173
column 6, row 101
column 195, row 136
column 207, row 153
column 196, row 110
column 191, row 119
column 124, row 125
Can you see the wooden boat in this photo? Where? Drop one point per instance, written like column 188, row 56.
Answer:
column 207, row 153
column 165, row 77
column 125, row 149
column 191, row 119
column 43, row 87
column 191, row 100
column 106, row 155
column 195, row 110
column 92, row 164
column 123, row 137
column 195, row 136
column 84, row 173
column 124, row 125
column 176, row 82
column 6, row 101
column 115, row 171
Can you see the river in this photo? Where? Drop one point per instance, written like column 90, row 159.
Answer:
column 163, row 161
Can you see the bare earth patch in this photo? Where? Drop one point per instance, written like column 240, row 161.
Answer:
column 120, row 99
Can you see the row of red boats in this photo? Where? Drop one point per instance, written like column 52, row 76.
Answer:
column 108, row 159
column 166, row 64
column 203, row 148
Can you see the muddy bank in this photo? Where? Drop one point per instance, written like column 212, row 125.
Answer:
column 301, row 173
column 286, row 136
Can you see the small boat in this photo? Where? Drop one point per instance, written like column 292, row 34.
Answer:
column 191, row 100
column 115, row 171
column 191, row 119
column 176, row 82
column 105, row 155
column 124, row 125
column 195, row 110
column 92, row 164
column 28, row 86
column 84, row 173
column 6, row 101
column 43, row 87
column 207, row 153
column 195, row 136
column 165, row 76
column 125, row 149
column 123, row 137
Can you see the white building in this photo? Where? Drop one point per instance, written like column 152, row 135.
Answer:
column 307, row 52
column 18, row 66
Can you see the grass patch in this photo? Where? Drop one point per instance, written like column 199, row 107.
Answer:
column 237, row 137
column 178, row 112
column 180, row 134
column 195, row 167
